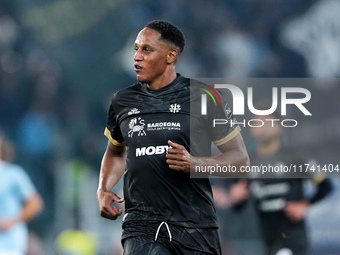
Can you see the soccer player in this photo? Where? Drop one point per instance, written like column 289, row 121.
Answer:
column 19, row 203
column 281, row 202
column 149, row 128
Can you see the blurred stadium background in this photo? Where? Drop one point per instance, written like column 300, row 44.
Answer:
column 61, row 60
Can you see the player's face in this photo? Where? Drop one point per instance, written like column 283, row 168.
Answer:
column 151, row 56
column 269, row 131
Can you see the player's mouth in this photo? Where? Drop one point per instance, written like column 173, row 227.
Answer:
column 138, row 68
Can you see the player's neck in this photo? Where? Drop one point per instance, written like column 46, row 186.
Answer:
column 270, row 148
column 163, row 80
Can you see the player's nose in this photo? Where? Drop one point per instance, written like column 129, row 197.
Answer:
column 138, row 56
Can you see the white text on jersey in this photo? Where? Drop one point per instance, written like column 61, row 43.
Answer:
column 151, row 150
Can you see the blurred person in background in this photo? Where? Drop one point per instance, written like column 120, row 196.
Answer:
column 281, row 202
column 166, row 211
column 19, row 203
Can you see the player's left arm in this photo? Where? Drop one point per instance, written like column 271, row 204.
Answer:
column 31, row 208
column 296, row 210
column 233, row 153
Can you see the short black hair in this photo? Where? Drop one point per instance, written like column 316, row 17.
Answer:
column 169, row 32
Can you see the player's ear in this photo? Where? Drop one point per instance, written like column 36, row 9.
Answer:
column 172, row 56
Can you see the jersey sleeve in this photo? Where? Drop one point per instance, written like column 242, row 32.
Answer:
column 25, row 188
column 112, row 129
column 222, row 120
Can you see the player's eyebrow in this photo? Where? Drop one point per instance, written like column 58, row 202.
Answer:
column 160, row 43
column 144, row 45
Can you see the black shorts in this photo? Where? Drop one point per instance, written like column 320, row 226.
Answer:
column 151, row 238
column 293, row 241
column 285, row 235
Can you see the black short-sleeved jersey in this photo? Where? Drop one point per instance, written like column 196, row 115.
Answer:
column 272, row 193
column 271, row 196
column 145, row 120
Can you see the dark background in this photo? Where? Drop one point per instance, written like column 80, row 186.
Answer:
column 61, row 60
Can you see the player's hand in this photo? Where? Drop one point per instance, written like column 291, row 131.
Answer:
column 221, row 197
column 105, row 200
column 178, row 158
column 6, row 224
column 296, row 211
column 239, row 192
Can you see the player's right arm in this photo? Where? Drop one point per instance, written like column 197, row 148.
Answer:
column 112, row 169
